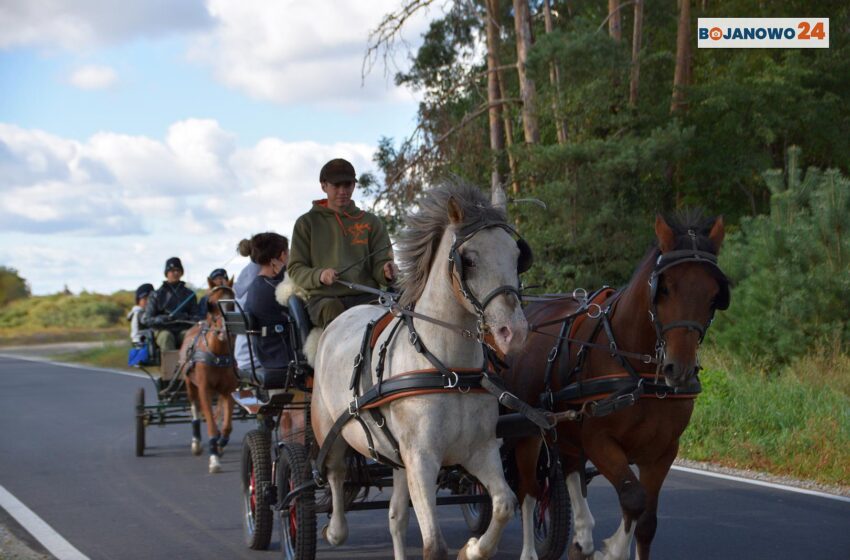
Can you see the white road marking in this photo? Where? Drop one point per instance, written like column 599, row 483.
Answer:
column 74, row 366
column 44, row 533
column 762, row 483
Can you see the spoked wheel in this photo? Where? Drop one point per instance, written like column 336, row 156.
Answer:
column 256, row 481
column 477, row 515
column 298, row 519
column 140, row 422
column 552, row 515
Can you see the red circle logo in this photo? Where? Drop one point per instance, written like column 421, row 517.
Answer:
column 715, row 33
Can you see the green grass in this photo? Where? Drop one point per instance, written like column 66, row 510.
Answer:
column 793, row 422
column 110, row 355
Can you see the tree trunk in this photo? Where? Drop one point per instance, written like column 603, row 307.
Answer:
column 522, row 23
column 555, row 79
column 615, row 29
column 497, row 134
column 682, row 77
column 636, row 40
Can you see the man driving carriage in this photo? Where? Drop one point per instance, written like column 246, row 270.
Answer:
column 337, row 240
column 171, row 308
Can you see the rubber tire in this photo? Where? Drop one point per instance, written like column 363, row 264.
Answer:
column 258, row 516
column 140, row 422
column 551, row 544
column 300, row 517
column 477, row 516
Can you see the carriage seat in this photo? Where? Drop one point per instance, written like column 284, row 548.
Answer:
column 238, row 321
column 298, row 312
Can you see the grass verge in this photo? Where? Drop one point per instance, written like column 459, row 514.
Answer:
column 112, row 355
column 794, row 423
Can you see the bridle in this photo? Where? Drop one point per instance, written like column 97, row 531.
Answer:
column 458, row 277
column 216, row 327
column 669, row 260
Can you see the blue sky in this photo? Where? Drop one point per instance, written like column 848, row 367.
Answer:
column 176, row 129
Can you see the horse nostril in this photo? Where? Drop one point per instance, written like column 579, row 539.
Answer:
column 506, row 334
column 668, row 370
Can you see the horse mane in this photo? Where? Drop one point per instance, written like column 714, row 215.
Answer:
column 680, row 222
column 423, row 230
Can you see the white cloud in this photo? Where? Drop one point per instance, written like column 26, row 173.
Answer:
column 122, row 198
column 93, row 77
column 83, row 24
column 284, row 52
column 300, row 51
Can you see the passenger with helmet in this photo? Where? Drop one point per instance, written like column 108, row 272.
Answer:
column 216, row 279
column 333, row 236
column 135, row 315
column 171, row 308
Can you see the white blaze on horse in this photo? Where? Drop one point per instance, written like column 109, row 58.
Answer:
column 207, row 365
column 459, row 263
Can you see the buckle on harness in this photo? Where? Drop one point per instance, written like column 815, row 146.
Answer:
column 553, row 353
column 598, row 312
column 580, row 294
column 354, row 407
column 452, row 383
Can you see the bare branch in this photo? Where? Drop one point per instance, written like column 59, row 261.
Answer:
column 387, row 33
column 620, row 7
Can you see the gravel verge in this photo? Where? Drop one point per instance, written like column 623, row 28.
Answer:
column 838, row 490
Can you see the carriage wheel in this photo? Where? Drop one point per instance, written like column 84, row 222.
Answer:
column 140, row 422
column 298, row 520
column 477, row 515
column 552, row 515
column 256, row 481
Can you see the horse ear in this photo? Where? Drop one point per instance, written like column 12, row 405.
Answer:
column 718, row 232
column 455, row 213
column 665, row 235
column 230, row 282
column 210, row 283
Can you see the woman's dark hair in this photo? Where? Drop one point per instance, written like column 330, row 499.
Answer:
column 263, row 247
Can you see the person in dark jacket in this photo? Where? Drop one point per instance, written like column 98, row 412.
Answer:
column 171, row 308
column 270, row 251
column 217, row 278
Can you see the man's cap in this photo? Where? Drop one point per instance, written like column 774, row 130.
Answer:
column 143, row 290
column 218, row 272
column 173, row 262
column 337, row 171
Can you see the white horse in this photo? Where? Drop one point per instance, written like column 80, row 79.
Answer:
column 438, row 429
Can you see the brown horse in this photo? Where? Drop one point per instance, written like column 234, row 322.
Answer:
column 207, row 365
column 625, row 368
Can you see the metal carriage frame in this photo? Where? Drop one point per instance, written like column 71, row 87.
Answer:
column 280, row 481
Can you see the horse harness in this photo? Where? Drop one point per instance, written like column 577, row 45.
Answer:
column 440, row 378
column 622, row 390
column 198, row 355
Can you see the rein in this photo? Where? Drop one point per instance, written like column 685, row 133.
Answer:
column 439, row 379
column 623, row 391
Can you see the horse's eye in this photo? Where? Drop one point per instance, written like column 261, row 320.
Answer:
column 662, row 289
column 467, row 262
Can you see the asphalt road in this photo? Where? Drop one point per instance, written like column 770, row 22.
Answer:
column 66, row 452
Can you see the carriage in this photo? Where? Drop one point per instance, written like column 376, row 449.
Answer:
column 280, row 478
column 171, row 405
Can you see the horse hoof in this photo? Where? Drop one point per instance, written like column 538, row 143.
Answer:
column 575, row 553
column 469, row 551
column 215, row 464
column 196, row 447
